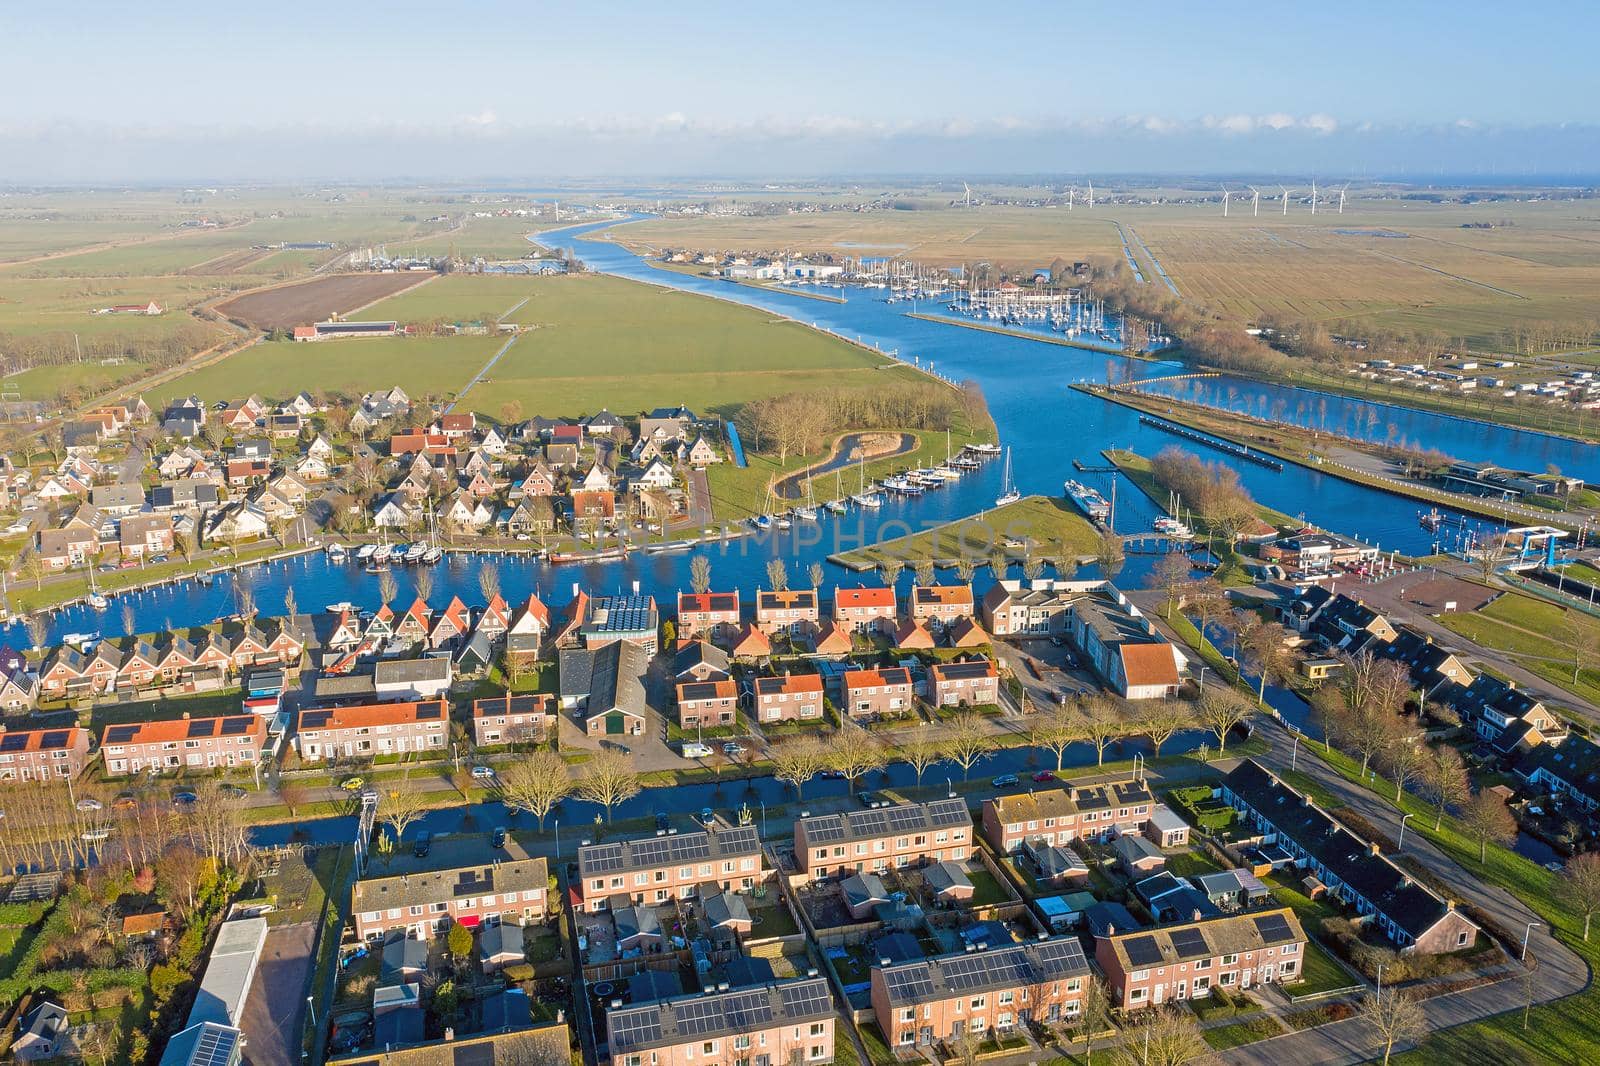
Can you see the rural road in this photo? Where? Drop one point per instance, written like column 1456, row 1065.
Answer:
column 493, row 359
column 1560, row 972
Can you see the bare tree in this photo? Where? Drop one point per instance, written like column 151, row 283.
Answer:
column 814, row 572
column 1397, row 1018
column 291, row 603
column 388, row 588
column 798, row 760
column 700, row 574
column 1163, row 1036
column 1265, row 647
column 1486, row 819
column 536, row 782
column 1054, row 729
column 1094, row 1016
column 489, row 581
column 1444, row 781
column 921, row 750
column 38, row 629
column 966, row 739
column 608, row 779
column 1402, row 757
column 853, row 751
column 778, row 575
column 400, row 806
column 1101, row 725
column 128, row 617
column 926, row 574
column 1161, row 720
column 1171, row 575
column 1582, row 877
column 1109, row 555
column 1220, row 709
column 966, row 569
column 424, row 584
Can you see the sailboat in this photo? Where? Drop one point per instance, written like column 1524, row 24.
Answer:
column 837, row 504
column 809, row 510
column 870, row 500
column 95, row 599
column 1008, row 491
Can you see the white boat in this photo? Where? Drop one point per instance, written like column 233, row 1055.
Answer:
column 340, row 607
column 365, row 552
column 415, row 553
column 79, row 638
column 1088, row 500
column 761, row 521
column 382, row 554
column 784, row 521
column 984, row 449
column 432, row 555
column 870, row 500
column 837, row 506
column 97, row 601
column 1008, row 491
column 337, row 551
column 808, row 513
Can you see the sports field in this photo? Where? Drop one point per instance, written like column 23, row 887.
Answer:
column 1389, row 262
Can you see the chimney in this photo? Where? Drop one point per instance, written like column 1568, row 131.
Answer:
column 449, row 1035
column 561, row 1017
column 574, row 590
column 636, row 586
column 1111, row 929
column 1194, row 915
column 1449, row 905
column 1308, row 800
column 185, row 716
column 1374, row 848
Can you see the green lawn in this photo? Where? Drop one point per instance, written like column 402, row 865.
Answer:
column 1321, row 973
column 1049, row 523
column 456, row 297
column 1532, row 630
column 985, row 889
column 1189, row 863
column 278, row 370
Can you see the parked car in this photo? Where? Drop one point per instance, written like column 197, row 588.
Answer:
column 831, row 775
column 1044, row 775
column 184, row 798
column 1004, row 781
column 693, row 749
column 483, row 773
column 422, row 845
column 498, row 839
column 352, row 783
column 87, row 804
column 732, row 747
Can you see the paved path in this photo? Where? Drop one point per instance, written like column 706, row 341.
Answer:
column 1560, row 972
column 274, row 1011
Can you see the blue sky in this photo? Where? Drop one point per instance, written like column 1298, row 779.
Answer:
column 497, row 89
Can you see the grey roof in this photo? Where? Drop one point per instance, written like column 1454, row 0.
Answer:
column 454, row 867
column 646, row 986
column 1014, row 966
column 726, row 908
column 886, row 821
column 411, row 671
column 1131, row 847
column 403, row 956
column 229, row 972
column 46, row 1020
column 947, row 875
column 607, row 678
column 1165, row 821
column 697, row 653
column 670, row 1022
column 205, row 1044
column 504, row 1012
column 500, row 940
column 863, row 888
column 636, row 921
column 119, row 495
column 399, row 1026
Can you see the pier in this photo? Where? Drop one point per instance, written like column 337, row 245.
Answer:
column 1238, row 451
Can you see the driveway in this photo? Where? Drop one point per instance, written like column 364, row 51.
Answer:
column 274, row 1012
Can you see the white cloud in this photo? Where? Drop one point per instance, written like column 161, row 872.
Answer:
column 482, row 119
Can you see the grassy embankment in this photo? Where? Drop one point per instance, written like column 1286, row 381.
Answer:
column 1535, row 633
column 1049, row 525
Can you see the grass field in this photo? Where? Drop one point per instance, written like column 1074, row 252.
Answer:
column 1531, row 631
column 277, row 370
column 1049, row 523
column 456, row 297
column 606, row 342
column 1470, row 283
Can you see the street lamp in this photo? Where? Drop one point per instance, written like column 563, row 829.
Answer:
column 558, row 838
column 1525, row 934
column 1294, row 751
column 1203, row 669
column 1378, row 989
column 1401, row 843
column 312, row 1007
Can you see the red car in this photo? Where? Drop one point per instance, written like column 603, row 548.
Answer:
column 1045, row 775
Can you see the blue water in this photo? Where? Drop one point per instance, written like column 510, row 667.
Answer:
column 1044, row 422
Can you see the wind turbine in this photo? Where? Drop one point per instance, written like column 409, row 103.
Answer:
column 1071, row 191
column 1313, row 196
column 1255, row 201
column 1225, row 197
column 1342, row 191
column 967, row 190
column 1285, row 200
column 1091, row 194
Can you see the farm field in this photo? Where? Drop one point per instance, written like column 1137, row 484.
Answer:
column 277, row 370
column 605, row 342
column 1387, row 262
column 313, row 301
column 457, row 297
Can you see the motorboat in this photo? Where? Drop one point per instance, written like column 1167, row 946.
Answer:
column 432, row 555
column 1088, row 500
column 365, row 552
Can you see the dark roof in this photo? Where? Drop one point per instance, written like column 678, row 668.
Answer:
column 671, row 1022
column 1407, row 903
column 699, row 653
column 947, row 976
column 608, row 678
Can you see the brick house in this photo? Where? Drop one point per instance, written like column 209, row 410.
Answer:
column 792, row 611
column 657, row 869
column 462, row 880
column 1150, row 967
column 42, row 754
column 373, row 729
column 709, row 614
column 707, row 703
column 884, row 691
column 1039, row 608
column 784, row 1023
column 788, row 698
column 1412, row 916
column 1061, row 816
column 863, row 609
column 890, row 837
column 967, row 683
column 183, row 743
column 938, row 1000
column 143, row 535
column 512, row 719
column 940, row 605
column 59, row 549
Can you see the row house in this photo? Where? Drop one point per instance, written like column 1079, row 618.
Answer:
column 883, row 691
column 909, row 834
column 372, row 729
column 862, row 609
column 940, row 606
column 714, row 615
column 183, row 744
column 963, row 684
column 1039, row 608
column 461, row 881
column 43, row 754
column 1123, row 646
column 707, row 703
column 1172, row 963
column 793, row 612
column 1412, row 916
column 788, row 698
column 941, row 1000
column 654, row 870
column 512, row 719
column 1568, row 767
column 1062, row 816
column 784, row 1023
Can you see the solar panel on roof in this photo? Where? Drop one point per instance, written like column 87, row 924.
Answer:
column 1273, row 927
column 121, row 734
column 1142, row 951
column 806, row 997
column 908, row 983
column 56, row 738
column 825, row 828
column 233, row 727
column 200, row 727
column 428, row 711
column 314, row 719
column 1189, row 943
column 13, row 742
column 901, row 819
column 631, row 1028
column 949, row 812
